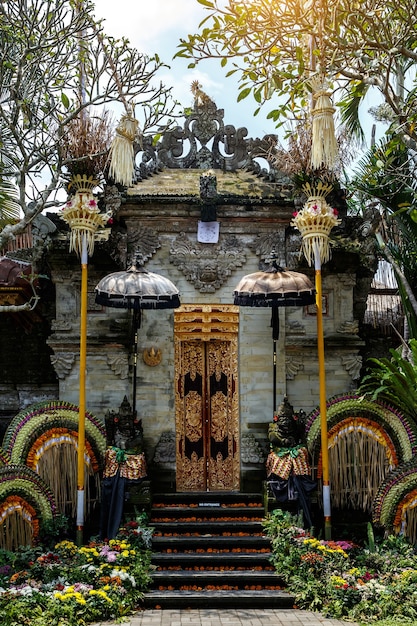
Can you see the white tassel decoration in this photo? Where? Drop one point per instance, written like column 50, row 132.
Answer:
column 324, row 148
column 121, row 152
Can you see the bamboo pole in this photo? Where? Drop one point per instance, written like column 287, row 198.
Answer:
column 323, row 406
column 82, row 378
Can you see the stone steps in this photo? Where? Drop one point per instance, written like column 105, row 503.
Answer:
column 209, row 552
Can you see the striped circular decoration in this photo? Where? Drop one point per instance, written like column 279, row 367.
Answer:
column 24, row 497
column 57, row 437
column 384, row 423
column 396, row 498
column 32, row 424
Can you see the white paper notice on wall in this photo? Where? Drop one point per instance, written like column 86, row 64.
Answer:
column 208, row 232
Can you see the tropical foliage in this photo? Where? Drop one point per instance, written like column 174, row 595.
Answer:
column 366, row 584
column 275, row 48
column 387, row 176
column 394, row 380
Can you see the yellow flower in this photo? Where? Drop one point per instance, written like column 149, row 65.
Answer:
column 101, row 593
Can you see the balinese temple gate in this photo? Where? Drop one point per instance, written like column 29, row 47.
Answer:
column 206, row 209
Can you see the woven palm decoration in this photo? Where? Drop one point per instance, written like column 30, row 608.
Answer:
column 44, row 437
column 366, row 441
column 122, row 164
column 25, row 501
column 315, row 221
column 4, row 458
column 395, row 503
column 82, row 214
column 324, row 147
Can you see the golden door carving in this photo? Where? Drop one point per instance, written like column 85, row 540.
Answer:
column 207, row 417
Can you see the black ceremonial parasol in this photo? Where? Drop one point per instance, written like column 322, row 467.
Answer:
column 274, row 287
column 137, row 289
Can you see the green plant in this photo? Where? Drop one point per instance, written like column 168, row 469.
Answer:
column 394, row 380
column 371, row 584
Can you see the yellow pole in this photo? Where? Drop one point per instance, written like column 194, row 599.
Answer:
column 323, row 407
column 82, row 377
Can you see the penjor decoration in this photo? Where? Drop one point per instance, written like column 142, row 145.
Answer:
column 82, row 214
column 315, row 221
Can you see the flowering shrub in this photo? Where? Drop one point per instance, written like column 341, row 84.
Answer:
column 342, row 580
column 72, row 586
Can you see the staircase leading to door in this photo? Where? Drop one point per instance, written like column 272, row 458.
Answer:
column 209, row 551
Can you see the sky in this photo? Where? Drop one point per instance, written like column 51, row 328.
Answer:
column 157, row 26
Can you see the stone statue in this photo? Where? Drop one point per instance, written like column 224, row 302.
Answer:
column 288, row 428
column 124, row 430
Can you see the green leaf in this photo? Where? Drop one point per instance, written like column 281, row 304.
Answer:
column 244, row 93
column 65, row 100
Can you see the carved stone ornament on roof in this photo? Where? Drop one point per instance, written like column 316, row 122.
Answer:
column 207, row 267
column 266, row 244
column 144, row 240
column 204, row 142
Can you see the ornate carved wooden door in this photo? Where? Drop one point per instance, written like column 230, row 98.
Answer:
column 207, row 421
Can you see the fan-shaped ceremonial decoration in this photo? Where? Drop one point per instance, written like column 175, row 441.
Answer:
column 395, row 503
column 25, row 501
column 44, row 437
column 366, row 440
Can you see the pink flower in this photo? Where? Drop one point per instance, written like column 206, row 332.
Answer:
column 295, row 214
column 92, row 203
column 335, row 212
column 110, row 221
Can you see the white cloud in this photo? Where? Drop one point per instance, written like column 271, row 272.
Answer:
column 150, row 23
column 156, row 26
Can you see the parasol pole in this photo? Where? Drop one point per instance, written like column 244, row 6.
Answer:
column 137, row 316
column 322, row 396
column 82, row 376
column 275, row 336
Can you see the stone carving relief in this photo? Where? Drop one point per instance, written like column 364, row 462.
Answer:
column 165, row 448
column 142, row 240
column 349, row 328
column 204, row 142
column 292, row 367
column 353, row 365
column 112, row 198
column 207, row 266
column 119, row 364
column 62, row 363
column 251, row 450
column 264, row 245
column 295, row 328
